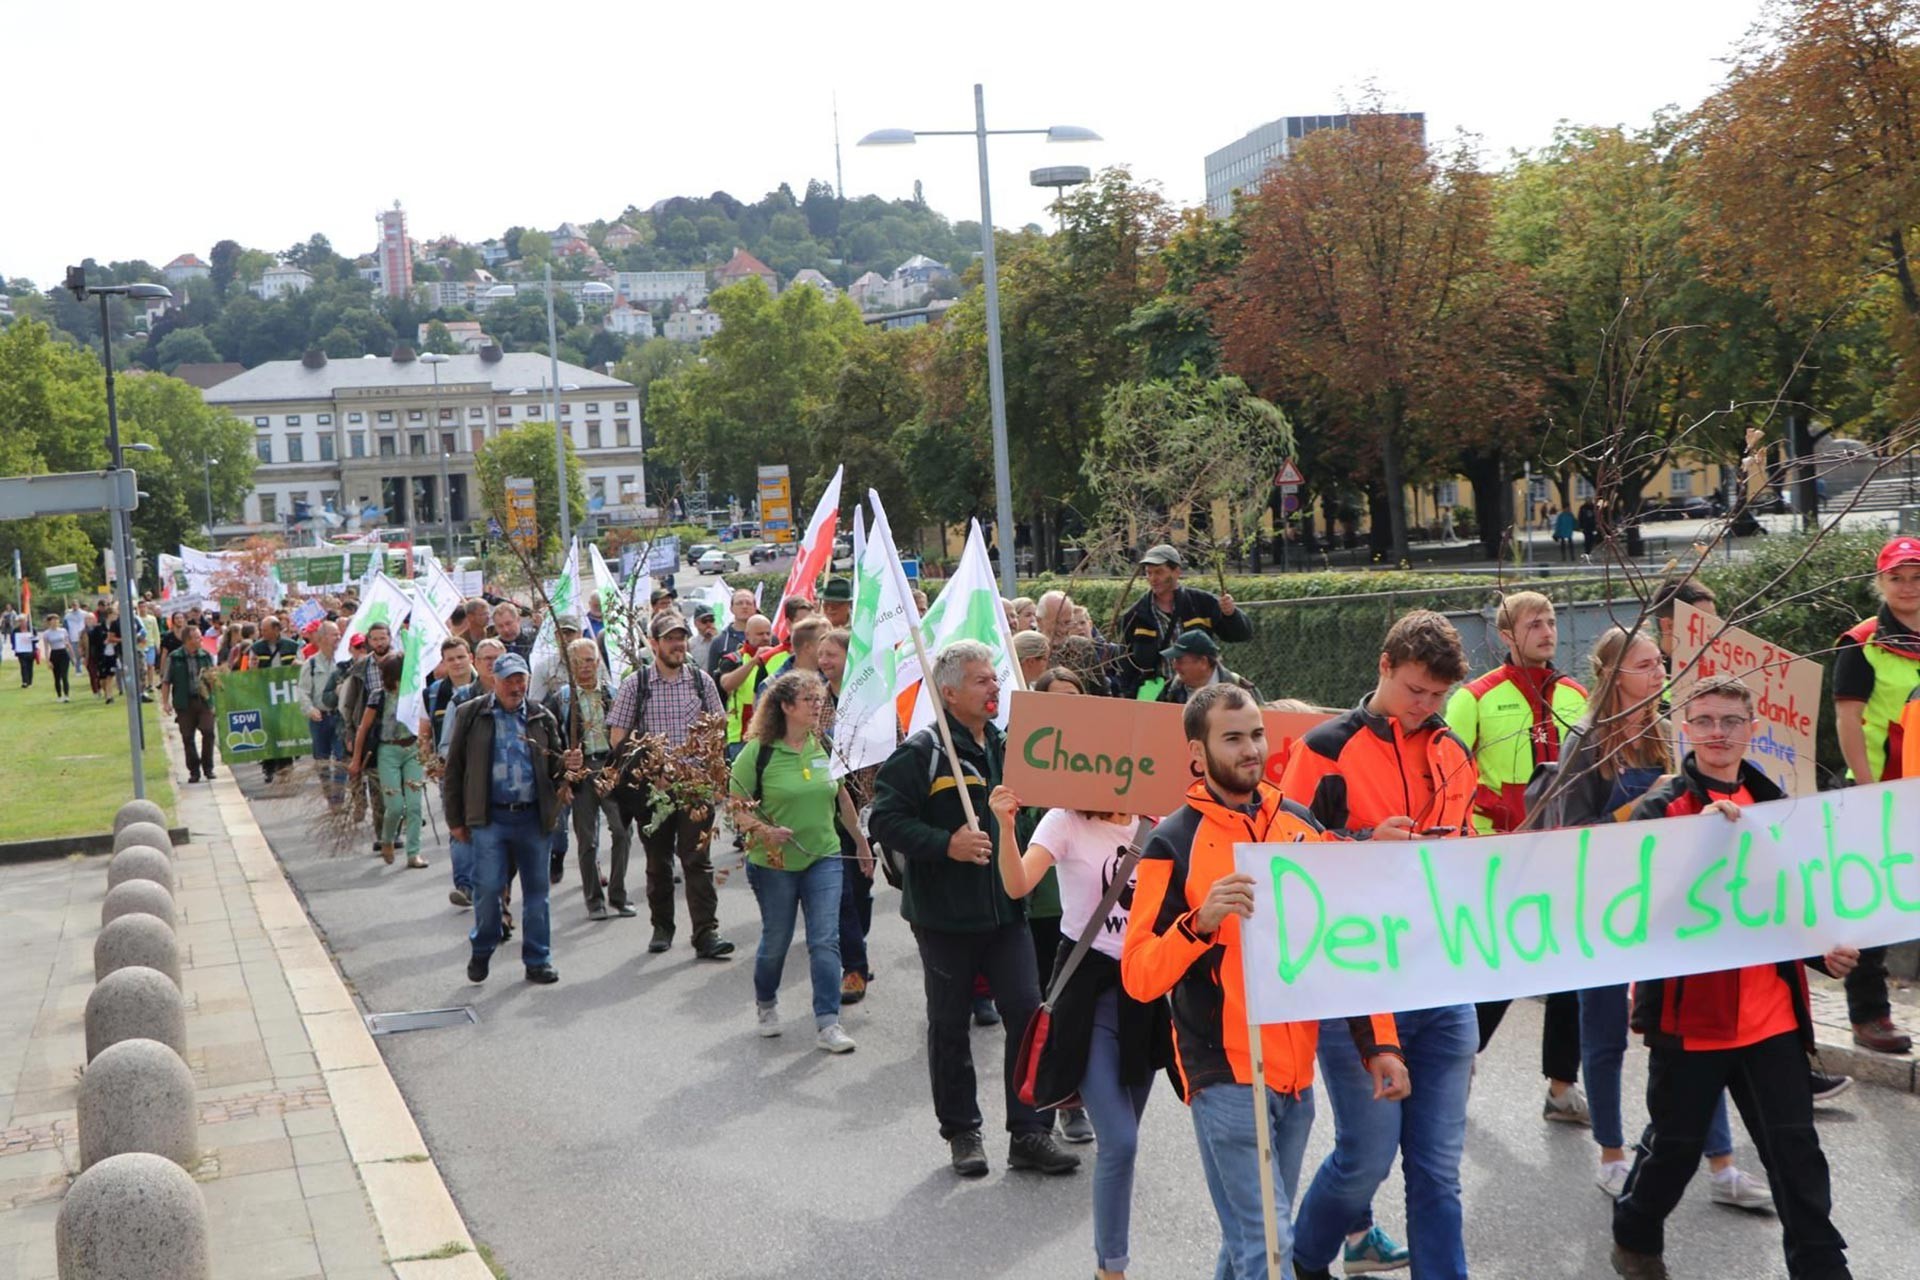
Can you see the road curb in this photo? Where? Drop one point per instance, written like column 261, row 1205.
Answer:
column 1900, row 1072
column 67, row 846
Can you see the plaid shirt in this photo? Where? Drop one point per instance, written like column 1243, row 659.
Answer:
column 672, row 705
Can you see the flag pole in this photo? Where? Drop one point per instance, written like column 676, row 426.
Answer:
column 1262, row 1134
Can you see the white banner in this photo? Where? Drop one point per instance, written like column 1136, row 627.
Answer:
column 382, row 603
column 866, row 725
column 1340, row 929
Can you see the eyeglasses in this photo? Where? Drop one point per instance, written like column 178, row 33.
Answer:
column 1728, row 725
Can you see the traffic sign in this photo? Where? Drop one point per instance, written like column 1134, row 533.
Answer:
column 1288, row 476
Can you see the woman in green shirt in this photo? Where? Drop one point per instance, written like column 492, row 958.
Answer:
column 785, row 796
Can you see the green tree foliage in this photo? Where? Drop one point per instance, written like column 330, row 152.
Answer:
column 440, row 340
column 528, row 451
column 185, row 432
column 876, row 395
column 186, row 346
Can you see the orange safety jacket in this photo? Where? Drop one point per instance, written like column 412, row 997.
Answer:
column 1164, row 953
column 1359, row 769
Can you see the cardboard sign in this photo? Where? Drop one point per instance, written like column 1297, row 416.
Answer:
column 1111, row 755
column 1786, row 690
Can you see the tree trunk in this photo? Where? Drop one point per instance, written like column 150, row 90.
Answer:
column 1394, row 475
column 1379, row 518
column 1487, row 474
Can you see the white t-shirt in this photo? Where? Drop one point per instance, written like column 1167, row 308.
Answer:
column 1087, row 852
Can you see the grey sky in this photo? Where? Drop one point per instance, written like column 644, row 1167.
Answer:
column 267, row 122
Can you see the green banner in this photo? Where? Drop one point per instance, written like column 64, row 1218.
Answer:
column 256, row 716
column 357, row 562
column 63, row 579
column 321, row 571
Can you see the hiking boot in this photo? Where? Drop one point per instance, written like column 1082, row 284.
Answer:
column 969, row 1154
column 853, row 989
column 1881, row 1036
column 661, row 940
column 1638, row 1266
column 1037, row 1152
column 711, row 946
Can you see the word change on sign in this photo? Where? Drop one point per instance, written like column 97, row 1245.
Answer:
column 1340, row 929
column 1786, row 691
column 1111, row 755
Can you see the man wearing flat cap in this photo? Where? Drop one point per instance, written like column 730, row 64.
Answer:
column 1194, row 660
column 1167, row 610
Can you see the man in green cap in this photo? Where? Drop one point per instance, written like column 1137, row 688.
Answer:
column 836, row 601
column 1194, row 660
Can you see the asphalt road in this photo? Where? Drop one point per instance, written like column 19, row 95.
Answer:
column 629, row 1123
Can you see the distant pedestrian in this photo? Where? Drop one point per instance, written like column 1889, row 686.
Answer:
column 274, row 648
column 58, row 642
column 1563, row 525
column 25, row 646
column 1589, row 521
column 189, row 673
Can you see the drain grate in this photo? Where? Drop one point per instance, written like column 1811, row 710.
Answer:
column 387, row 1024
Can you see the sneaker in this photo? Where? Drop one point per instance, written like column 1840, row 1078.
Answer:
column 968, row 1153
column 1826, row 1088
column 460, row 898
column 769, row 1019
column 1375, row 1251
column 1612, row 1177
column 853, row 989
column 833, row 1038
column 984, row 1014
column 1638, row 1266
column 1569, row 1108
column 1739, row 1189
column 415, row 862
column 599, row 912
column 1037, row 1152
column 1881, row 1036
column 1074, row 1125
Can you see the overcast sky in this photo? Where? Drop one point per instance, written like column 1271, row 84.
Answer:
column 267, row 122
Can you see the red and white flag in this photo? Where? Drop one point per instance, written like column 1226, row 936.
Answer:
column 815, row 554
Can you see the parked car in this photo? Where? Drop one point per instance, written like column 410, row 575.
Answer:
column 842, row 555
column 697, row 550
column 1676, row 509
column 717, row 561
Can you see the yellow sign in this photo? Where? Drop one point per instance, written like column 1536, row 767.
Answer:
column 522, row 527
column 776, row 504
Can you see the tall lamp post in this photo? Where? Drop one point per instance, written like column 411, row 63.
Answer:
column 559, row 432
column 121, row 522
column 206, row 463
column 434, row 360
column 996, row 379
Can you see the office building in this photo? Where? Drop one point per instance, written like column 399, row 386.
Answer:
column 1239, row 165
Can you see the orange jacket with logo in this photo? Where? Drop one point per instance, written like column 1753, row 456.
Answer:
column 1164, row 954
column 1359, row 769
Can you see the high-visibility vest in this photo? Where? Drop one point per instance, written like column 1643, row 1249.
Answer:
column 1494, row 717
column 1895, row 676
column 740, row 701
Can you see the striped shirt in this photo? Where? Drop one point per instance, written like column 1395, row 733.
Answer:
column 673, row 704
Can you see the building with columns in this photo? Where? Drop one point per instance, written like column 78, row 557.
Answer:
column 367, row 438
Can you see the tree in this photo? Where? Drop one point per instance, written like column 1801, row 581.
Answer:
column 186, row 432
column 1369, row 289
column 527, row 451
column 185, row 346
column 440, row 339
column 875, row 395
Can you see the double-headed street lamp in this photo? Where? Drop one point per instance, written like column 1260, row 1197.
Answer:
column 996, row 379
column 122, row 523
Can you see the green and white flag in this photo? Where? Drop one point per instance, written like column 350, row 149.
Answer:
column 382, row 603
column 563, row 596
column 969, row 608
column 421, row 641
column 436, row 591
column 616, row 607
column 866, row 725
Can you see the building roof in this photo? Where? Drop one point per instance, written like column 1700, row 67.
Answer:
column 208, row 375
column 186, row 260
column 869, row 280
column 292, row 380
column 742, row 264
column 919, row 261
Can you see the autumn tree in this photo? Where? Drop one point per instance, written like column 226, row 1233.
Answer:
column 1369, row 291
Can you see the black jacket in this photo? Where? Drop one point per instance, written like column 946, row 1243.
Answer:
column 916, row 809
column 1141, row 634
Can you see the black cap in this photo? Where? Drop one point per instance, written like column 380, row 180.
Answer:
column 837, row 591
column 1197, row 642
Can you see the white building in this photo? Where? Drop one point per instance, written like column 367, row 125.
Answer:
column 367, row 437
column 692, row 326
column 466, row 334
column 869, row 292
column 808, row 276
column 630, row 322
column 184, row 268
column 281, row 279
column 682, row 288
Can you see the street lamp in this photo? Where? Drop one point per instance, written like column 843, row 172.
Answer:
column 206, row 462
column 996, row 378
column 435, row 360
column 122, row 524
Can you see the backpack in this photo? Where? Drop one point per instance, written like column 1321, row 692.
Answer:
column 351, row 696
column 330, row 691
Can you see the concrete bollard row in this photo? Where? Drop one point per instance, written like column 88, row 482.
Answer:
column 135, row 1210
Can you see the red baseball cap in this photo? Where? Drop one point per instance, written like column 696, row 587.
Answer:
column 1905, row 550
column 359, row 641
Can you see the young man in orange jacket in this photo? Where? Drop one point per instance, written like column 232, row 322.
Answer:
column 1184, row 938
column 1390, row 769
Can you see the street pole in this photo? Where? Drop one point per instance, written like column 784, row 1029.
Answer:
column 996, row 378
column 559, row 438
column 207, row 463
column 123, row 574
column 446, row 505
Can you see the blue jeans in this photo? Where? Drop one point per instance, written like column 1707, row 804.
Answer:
column 461, row 854
column 329, row 755
column 856, row 913
column 779, row 893
column 1428, row 1130
column 1223, row 1124
column 1603, row 1047
column 1115, row 1111
column 512, row 842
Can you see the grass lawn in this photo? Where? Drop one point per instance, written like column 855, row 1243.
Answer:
column 66, row 770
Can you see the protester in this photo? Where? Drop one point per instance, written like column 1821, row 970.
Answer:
column 1183, row 938
column 1876, row 668
column 836, row 601
column 704, row 631
column 549, row 670
column 665, row 699
column 391, row 745
column 742, row 607
column 1513, row 720
column 187, row 697
column 742, row 672
column 460, row 851
column 274, row 649
column 581, row 709
column 663, row 600
column 470, row 623
column 1746, row 1031
column 1053, row 615
column 1194, row 660
column 58, row 642
column 1390, row 769
column 25, row 647
column 504, row 788
column 317, row 692
column 1166, row 610
column 786, row 797
column 963, row 921
column 509, row 630
column 103, row 653
column 1032, row 651
column 363, row 671
column 1025, row 615
column 856, row 876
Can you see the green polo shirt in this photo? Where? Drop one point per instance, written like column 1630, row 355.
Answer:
column 799, row 792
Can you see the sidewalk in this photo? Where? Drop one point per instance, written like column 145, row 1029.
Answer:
column 1839, row 1055
column 312, row 1166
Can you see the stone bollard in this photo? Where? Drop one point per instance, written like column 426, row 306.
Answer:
column 137, row 939
column 137, row 1096
column 140, row 862
column 138, row 897
column 135, row 1003
column 133, row 1215
column 139, row 811
column 148, row 833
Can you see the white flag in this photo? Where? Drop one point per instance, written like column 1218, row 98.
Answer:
column 437, row 591
column 969, row 608
column 615, row 608
column 382, row 603
column 421, row 641
column 866, row 725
